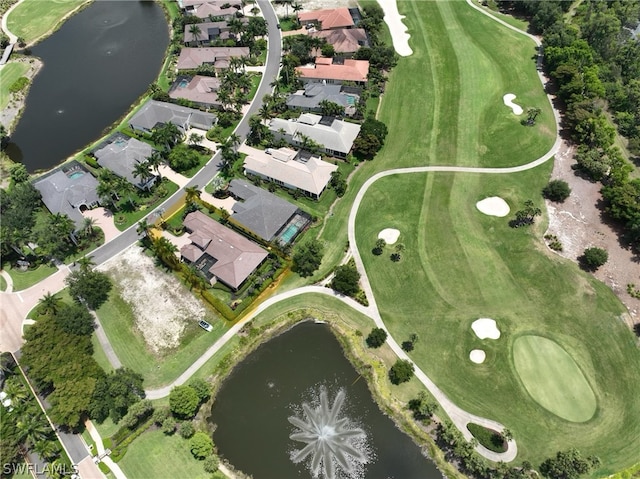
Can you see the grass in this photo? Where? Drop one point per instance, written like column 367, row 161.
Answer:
column 156, row 455
column 26, row 279
column 3, row 284
column 117, row 320
column 553, row 379
column 10, row 73
column 33, row 19
column 124, row 217
column 490, row 439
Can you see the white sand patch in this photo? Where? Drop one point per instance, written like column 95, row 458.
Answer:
column 508, row 100
column 389, row 235
column 485, row 328
column 399, row 35
column 162, row 306
column 493, row 206
column 477, row 356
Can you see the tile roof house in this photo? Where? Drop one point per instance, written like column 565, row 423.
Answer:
column 209, row 31
column 345, row 41
column 218, row 252
column 259, row 211
column 210, row 8
column 335, row 137
column 121, row 154
column 201, row 90
column 154, row 113
column 290, row 169
column 192, row 58
column 313, row 94
column 327, row 19
column 67, row 190
column 325, row 70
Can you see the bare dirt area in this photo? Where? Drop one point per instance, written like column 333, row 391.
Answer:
column 162, row 306
column 578, row 224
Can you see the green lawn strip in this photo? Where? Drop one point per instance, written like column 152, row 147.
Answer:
column 33, row 19
column 26, row 279
column 552, row 378
column 10, row 73
column 99, row 355
column 490, row 439
column 155, row 454
column 460, row 265
column 106, row 429
column 3, row 284
column 125, row 218
column 117, row 320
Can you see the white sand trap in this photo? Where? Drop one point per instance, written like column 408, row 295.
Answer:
column 389, row 235
column 508, row 100
column 399, row 35
column 477, row 356
column 485, row 328
column 493, row 206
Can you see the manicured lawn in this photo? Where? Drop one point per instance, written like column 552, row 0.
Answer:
column 26, row 279
column 99, row 355
column 154, row 454
column 3, row 284
column 125, row 217
column 117, row 320
column 552, row 378
column 460, row 265
column 10, row 73
column 34, row 18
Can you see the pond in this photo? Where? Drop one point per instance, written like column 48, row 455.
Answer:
column 95, row 67
column 297, row 399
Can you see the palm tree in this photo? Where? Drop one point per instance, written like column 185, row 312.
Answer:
column 49, row 304
column 192, row 193
column 85, row 263
column 143, row 228
column 165, row 250
column 16, row 391
column 195, row 31
column 126, row 189
column 32, row 428
column 234, row 140
column 88, row 224
column 142, row 170
column 195, row 139
column 236, row 26
column 47, row 449
column 155, row 161
column 166, row 135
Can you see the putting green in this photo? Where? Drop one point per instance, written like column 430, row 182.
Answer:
column 553, row 379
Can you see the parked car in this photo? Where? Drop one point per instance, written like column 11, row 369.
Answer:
column 206, row 326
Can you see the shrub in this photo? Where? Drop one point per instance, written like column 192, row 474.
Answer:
column 159, row 415
column 187, row 430
column 401, row 372
column 376, row 338
column 201, row 445
column 492, row 440
column 346, row 279
column 18, row 85
column 184, row 402
column 557, row 190
column 169, row 426
column 202, row 389
column 593, row 258
column 211, row 464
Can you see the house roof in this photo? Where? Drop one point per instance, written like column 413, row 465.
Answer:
column 121, row 155
column 344, row 40
column 200, row 89
column 235, row 256
column 155, row 112
column 262, row 212
column 198, row 3
column 337, row 135
column 191, row 58
column 311, row 174
column 63, row 192
column 325, row 69
column 208, row 30
column 330, row 18
column 212, row 10
column 314, row 93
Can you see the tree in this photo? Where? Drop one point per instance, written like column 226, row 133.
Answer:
column 166, row 135
column 90, row 287
column 330, row 108
column 593, row 258
column 376, row 338
column 397, row 254
column 18, row 173
column 182, row 158
column 115, row 393
column 409, row 345
column 338, row 183
column 184, row 402
column 195, row 139
column 401, row 372
column 307, row 258
column 142, row 170
column 201, row 445
column 169, row 426
column 195, row 31
column 525, row 216
column 211, row 464
column 379, row 247
column 88, row 225
column 202, row 389
column 85, row 263
column 138, row 412
column 568, row 465
column 345, row 279
column 75, row 319
column 422, row 407
column 557, row 190
column 49, row 304
column 532, row 114
column 187, row 430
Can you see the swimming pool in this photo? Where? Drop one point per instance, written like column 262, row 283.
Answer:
column 351, row 100
column 75, row 175
column 183, row 83
column 289, row 233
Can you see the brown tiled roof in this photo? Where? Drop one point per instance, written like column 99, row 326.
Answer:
column 200, row 89
column 331, row 18
column 324, row 69
column 344, row 40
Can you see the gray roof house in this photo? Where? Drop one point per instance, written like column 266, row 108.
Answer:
column 201, row 90
column 192, row 58
column 288, row 168
column 209, row 31
column 313, row 94
column 218, row 252
column 259, row 211
column 210, row 8
column 121, row 154
column 68, row 190
column 336, row 137
column 155, row 113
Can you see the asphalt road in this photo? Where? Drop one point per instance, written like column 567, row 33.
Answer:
column 211, row 169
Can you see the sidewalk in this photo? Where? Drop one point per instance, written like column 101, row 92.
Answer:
column 115, row 469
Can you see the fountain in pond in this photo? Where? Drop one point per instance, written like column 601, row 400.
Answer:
column 334, row 448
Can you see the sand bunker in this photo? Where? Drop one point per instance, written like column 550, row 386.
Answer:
column 477, row 356
column 389, row 235
column 399, row 35
column 485, row 328
column 508, row 100
column 493, row 206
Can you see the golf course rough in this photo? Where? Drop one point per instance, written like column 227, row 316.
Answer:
column 553, row 379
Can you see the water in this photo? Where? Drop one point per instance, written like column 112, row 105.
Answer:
column 254, row 411
column 288, row 234
column 95, row 66
column 76, row 174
